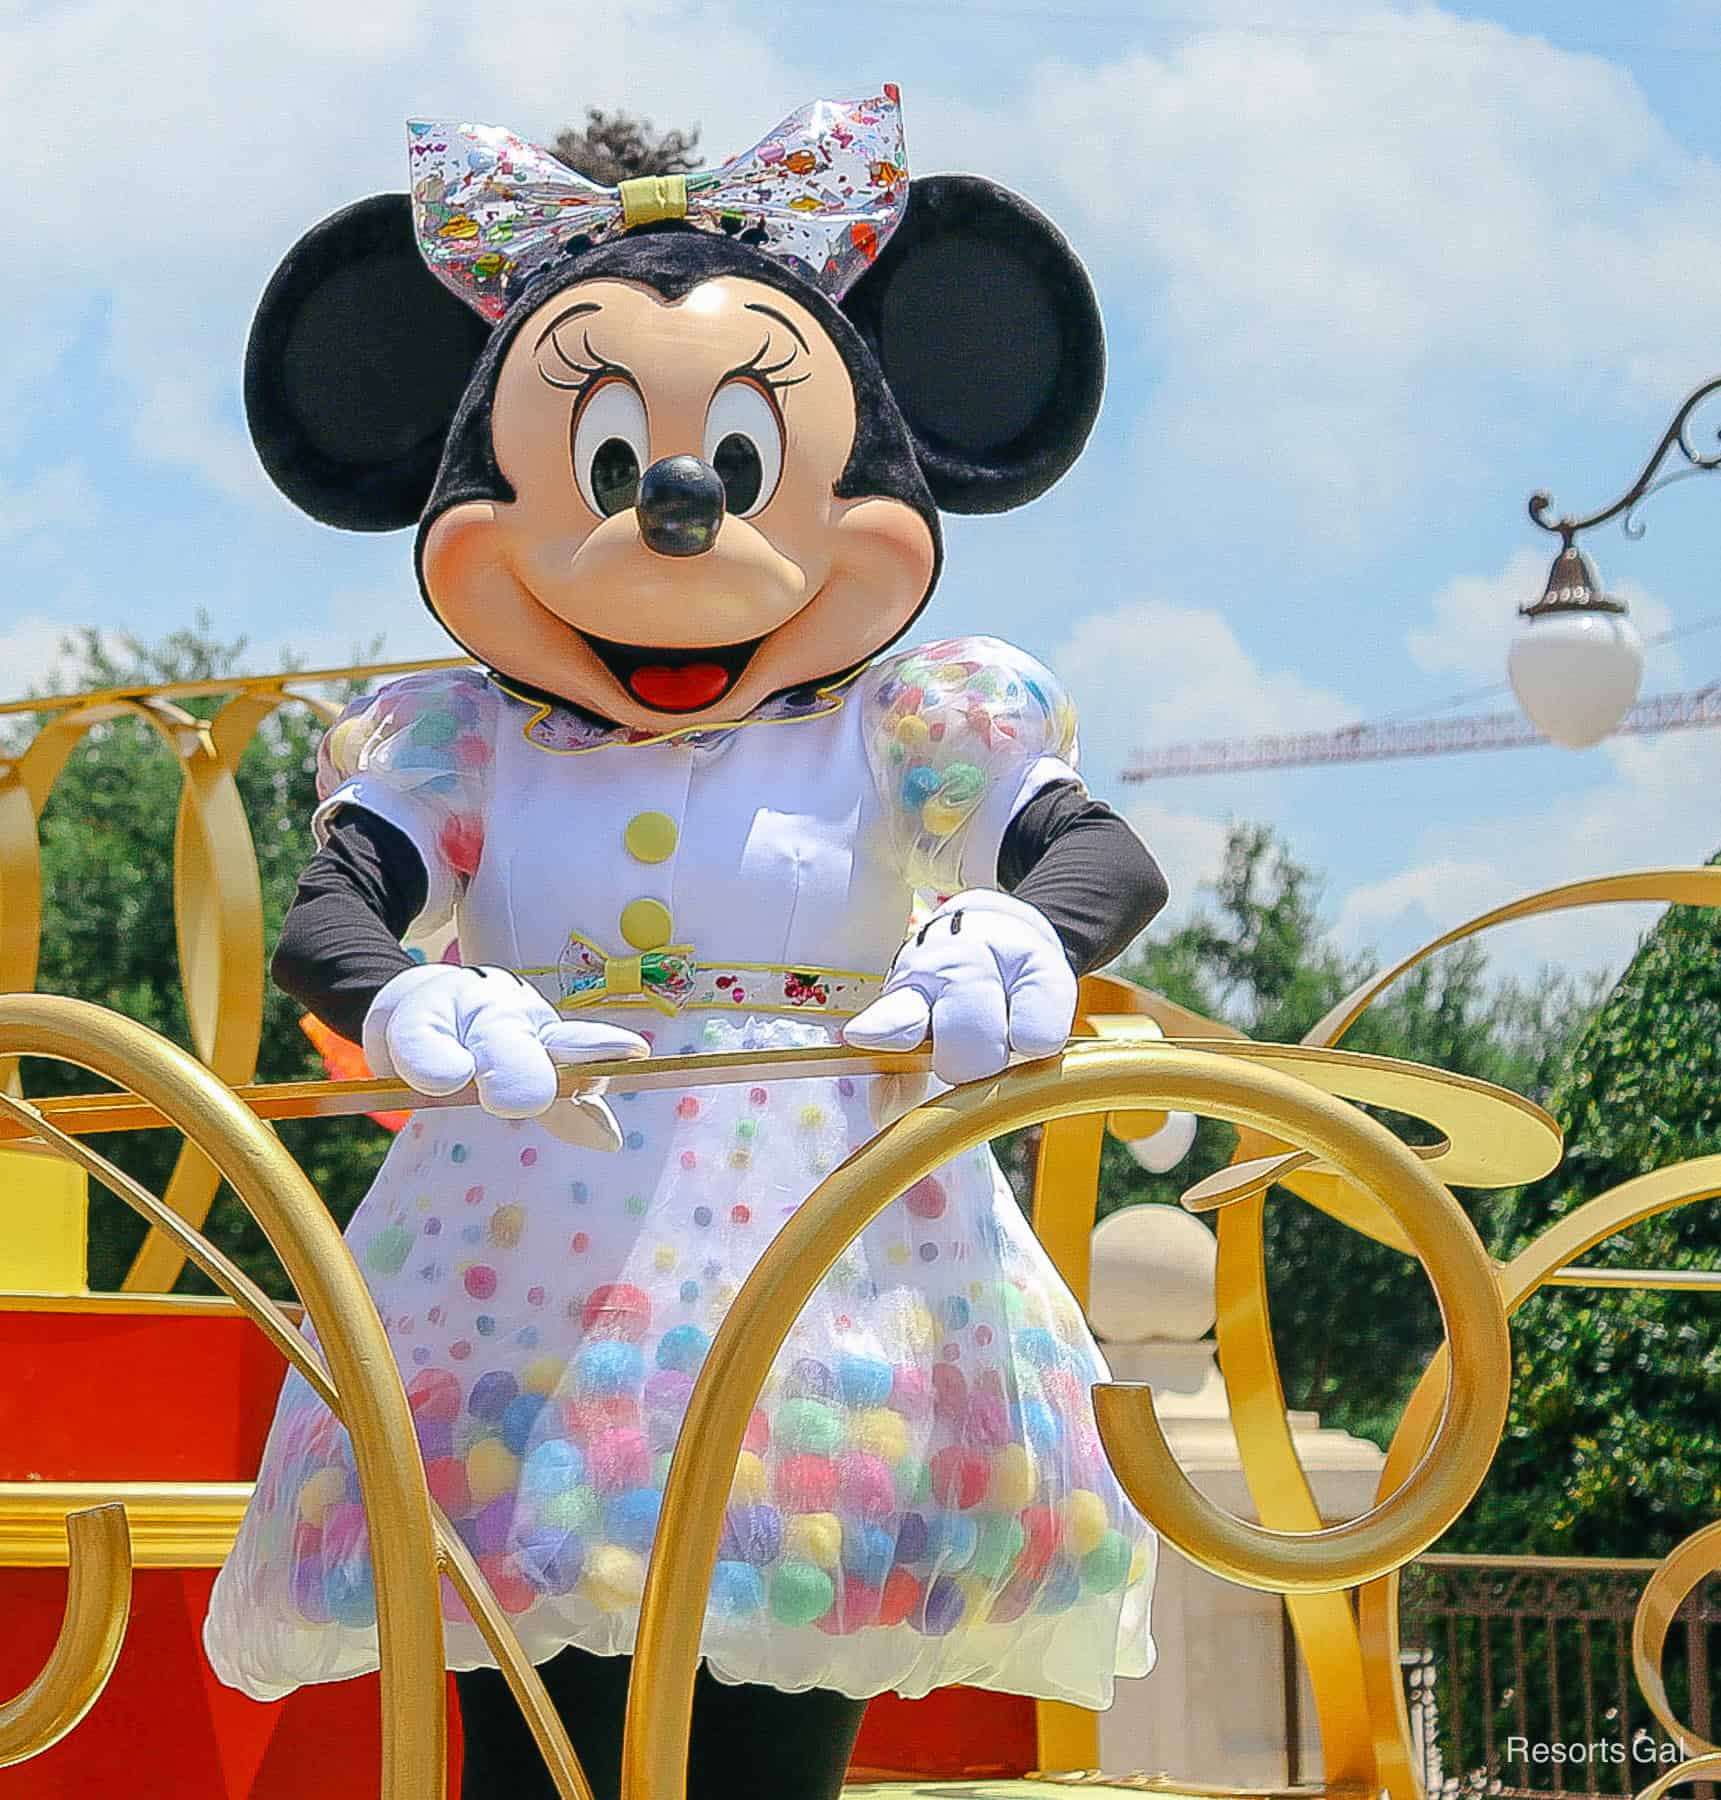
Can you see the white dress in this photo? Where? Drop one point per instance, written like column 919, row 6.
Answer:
column 923, row 1499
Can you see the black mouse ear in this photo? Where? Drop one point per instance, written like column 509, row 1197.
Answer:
column 358, row 357
column 989, row 335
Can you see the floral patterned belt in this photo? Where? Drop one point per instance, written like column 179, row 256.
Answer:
column 673, row 981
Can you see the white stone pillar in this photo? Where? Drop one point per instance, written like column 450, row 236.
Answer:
column 1215, row 1710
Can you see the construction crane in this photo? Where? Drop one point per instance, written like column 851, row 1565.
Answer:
column 1393, row 739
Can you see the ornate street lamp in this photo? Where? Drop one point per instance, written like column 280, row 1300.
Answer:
column 1577, row 662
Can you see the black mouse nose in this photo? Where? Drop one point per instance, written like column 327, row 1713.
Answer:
column 680, row 506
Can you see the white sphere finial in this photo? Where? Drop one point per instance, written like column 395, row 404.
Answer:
column 1154, row 1270
column 1165, row 1148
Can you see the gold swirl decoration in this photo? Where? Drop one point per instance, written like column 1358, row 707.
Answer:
column 1687, row 1564
column 217, row 894
column 362, row 1382
column 1681, row 1570
column 1488, row 1139
column 1087, row 1079
column 1696, row 1768
column 98, row 1598
column 1354, row 1664
column 1090, row 1080
column 1617, row 1210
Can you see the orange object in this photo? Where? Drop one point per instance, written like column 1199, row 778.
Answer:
column 345, row 1061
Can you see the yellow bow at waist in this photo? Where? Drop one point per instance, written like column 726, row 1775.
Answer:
column 663, row 978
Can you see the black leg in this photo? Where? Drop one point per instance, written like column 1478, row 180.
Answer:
column 757, row 1743
column 502, row 1762
column 749, row 1742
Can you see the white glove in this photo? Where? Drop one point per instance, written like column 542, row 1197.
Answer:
column 987, row 975
column 439, row 1026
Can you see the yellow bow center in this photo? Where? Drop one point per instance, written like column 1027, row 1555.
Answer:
column 647, row 198
column 623, row 975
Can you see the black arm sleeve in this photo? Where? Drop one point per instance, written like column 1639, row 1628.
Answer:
column 1082, row 866
column 341, row 939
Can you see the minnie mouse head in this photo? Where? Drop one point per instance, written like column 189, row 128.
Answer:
column 665, row 470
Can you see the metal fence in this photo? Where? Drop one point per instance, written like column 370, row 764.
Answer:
column 1519, row 1678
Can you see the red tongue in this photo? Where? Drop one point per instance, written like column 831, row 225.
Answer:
column 682, row 689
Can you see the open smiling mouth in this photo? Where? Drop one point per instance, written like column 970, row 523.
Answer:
column 684, row 679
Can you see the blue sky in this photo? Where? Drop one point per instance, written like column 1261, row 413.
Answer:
column 1371, row 273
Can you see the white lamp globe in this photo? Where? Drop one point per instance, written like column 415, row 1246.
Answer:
column 1166, row 1148
column 1577, row 662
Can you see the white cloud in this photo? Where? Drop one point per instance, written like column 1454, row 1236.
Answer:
column 1343, row 240
column 30, row 655
column 1476, row 616
column 1189, row 848
column 239, row 127
column 41, row 507
column 1195, row 679
column 1654, row 807
column 1438, row 894
column 1361, row 251
column 386, row 616
column 1150, row 672
column 180, row 421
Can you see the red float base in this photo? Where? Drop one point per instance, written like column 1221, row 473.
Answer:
column 950, row 1735
column 165, row 1727
column 137, row 1391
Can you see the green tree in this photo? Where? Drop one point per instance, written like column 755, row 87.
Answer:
column 1353, row 1320
column 615, row 147
column 1613, row 1447
column 107, row 838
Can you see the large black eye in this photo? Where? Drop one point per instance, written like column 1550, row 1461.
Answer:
column 736, row 461
column 615, row 476
column 744, row 444
column 610, row 447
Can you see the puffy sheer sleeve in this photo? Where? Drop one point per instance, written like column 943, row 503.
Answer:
column 419, row 754
column 960, row 736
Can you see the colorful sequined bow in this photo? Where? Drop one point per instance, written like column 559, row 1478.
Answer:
column 663, row 978
column 822, row 193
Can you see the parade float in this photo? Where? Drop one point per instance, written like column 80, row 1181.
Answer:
column 133, row 1421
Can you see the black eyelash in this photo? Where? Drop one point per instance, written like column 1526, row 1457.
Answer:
column 588, row 373
column 763, row 372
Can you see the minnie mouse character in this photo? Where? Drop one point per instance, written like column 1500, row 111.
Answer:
column 676, row 455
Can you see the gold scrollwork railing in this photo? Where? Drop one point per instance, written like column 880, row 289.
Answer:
column 1088, row 1078
column 1688, row 1563
column 1226, row 1079
column 362, row 1379
column 1353, row 1660
column 1621, row 1207
column 1489, row 1139
column 217, row 892
column 98, row 1597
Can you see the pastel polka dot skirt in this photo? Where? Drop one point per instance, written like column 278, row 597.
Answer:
column 922, row 1498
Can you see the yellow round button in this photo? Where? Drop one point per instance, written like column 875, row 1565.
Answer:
column 650, row 837
column 646, row 924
